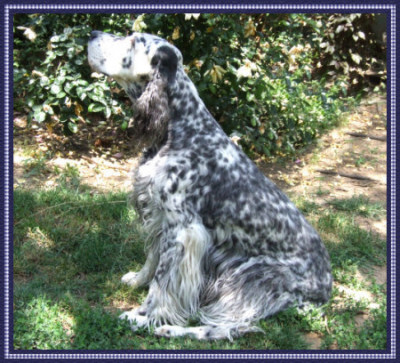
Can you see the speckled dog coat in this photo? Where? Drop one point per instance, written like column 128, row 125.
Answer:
column 225, row 246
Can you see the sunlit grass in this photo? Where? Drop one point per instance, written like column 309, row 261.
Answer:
column 72, row 245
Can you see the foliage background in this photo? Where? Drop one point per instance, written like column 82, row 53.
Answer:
column 276, row 81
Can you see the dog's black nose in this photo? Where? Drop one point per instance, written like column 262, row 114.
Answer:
column 94, row 34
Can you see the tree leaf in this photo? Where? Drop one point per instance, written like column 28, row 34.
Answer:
column 62, row 94
column 339, row 29
column 124, row 125
column 73, row 127
column 361, row 35
column 55, row 89
column 95, row 107
column 356, row 58
column 39, row 116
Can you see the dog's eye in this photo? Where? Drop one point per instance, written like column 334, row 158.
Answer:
column 154, row 61
column 144, row 78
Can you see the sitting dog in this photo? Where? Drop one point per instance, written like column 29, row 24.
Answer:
column 225, row 246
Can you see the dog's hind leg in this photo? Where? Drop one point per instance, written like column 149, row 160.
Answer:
column 249, row 289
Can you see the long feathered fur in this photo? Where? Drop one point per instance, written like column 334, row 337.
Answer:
column 224, row 245
column 152, row 113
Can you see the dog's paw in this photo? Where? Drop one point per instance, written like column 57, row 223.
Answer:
column 169, row 331
column 131, row 279
column 203, row 332
column 135, row 319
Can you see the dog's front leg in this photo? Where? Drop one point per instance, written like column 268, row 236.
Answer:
column 174, row 292
column 146, row 274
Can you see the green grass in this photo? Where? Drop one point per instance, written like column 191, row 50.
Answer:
column 72, row 245
column 361, row 206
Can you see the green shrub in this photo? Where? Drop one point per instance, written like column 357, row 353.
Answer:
column 254, row 72
column 57, row 85
column 269, row 79
column 352, row 48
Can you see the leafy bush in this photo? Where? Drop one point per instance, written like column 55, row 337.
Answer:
column 269, row 79
column 57, row 86
column 352, row 46
column 254, row 73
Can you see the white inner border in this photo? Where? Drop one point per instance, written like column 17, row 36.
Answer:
column 206, row 7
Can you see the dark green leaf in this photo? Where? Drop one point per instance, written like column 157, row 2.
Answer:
column 73, row 127
column 95, row 107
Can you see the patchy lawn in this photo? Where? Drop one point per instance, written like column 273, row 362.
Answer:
column 74, row 237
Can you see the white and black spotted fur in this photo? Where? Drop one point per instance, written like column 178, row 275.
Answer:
column 225, row 245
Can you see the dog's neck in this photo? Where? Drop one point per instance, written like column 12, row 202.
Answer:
column 183, row 114
column 188, row 111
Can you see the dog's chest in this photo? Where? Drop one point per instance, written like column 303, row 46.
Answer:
column 150, row 174
column 154, row 180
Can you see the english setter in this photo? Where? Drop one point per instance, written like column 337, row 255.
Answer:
column 225, row 246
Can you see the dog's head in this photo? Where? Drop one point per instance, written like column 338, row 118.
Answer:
column 145, row 66
column 133, row 61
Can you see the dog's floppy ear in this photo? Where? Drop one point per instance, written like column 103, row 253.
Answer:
column 165, row 61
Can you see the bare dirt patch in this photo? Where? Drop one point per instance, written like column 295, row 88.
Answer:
column 341, row 166
column 103, row 161
column 314, row 340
